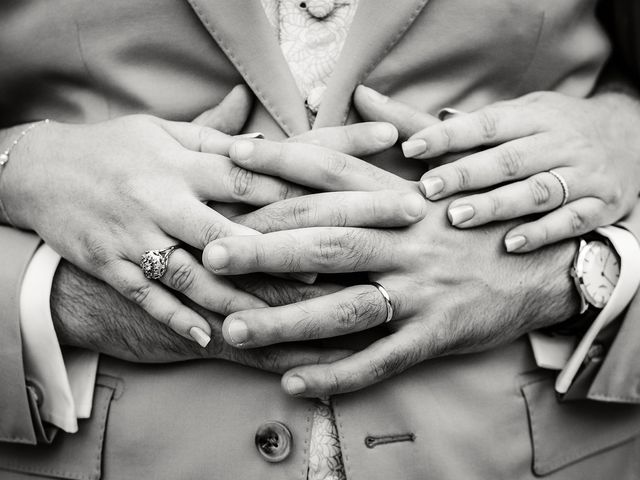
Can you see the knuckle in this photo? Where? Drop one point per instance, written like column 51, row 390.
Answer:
column 183, row 278
column 241, row 182
column 301, row 213
column 447, row 136
column 488, row 122
column 510, row 161
column 496, row 205
column 341, row 247
column 540, row 191
column 137, row 293
column 97, row 255
column 210, row 232
column 462, row 176
column 336, row 165
column 578, row 222
column 347, row 316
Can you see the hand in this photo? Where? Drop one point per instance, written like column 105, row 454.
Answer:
column 102, row 194
column 452, row 292
column 591, row 143
column 89, row 314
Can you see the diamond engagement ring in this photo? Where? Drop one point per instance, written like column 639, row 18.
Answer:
column 387, row 299
column 154, row 262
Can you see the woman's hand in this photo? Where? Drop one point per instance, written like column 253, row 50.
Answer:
column 103, row 194
column 590, row 145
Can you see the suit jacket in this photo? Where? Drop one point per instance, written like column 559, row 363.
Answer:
column 487, row 415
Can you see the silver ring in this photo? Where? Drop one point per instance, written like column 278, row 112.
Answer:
column 154, row 262
column 563, row 184
column 387, row 299
column 447, row 112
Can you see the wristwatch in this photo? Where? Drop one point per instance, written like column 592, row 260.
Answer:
column 595, row 273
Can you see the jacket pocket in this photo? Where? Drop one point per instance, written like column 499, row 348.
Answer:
column 563, row 433
column 70, row 456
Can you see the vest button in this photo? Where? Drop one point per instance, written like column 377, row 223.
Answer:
column 273, row 441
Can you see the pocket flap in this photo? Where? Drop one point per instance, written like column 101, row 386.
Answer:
column 70, row 456
column 563, row 433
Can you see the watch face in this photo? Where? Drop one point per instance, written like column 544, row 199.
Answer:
column 600, row 273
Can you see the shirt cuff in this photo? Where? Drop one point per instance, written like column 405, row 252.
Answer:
column 64, row 390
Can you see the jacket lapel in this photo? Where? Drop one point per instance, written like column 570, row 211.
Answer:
column 243, row 32
column 377, row 26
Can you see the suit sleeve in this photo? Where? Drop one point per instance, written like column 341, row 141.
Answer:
column 19, row 417
column 612, row 372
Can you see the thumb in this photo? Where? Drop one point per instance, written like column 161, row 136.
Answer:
column 230, row 115
column 375, row 107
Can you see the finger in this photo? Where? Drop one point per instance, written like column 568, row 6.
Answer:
column 277, row 291
column 359, row 139
column 573, row 220
column 230, row 115
column 375, row 107
column 491, row 125
column 313, row 166
column 539, row 193
column 279, row 359
column 507, row 162
column 350, row 310
column 385, row 358
column 217, row 294
column 128, row 279
column 317, row 249
column 217, row 178
column 197, row 225
column 386, row 208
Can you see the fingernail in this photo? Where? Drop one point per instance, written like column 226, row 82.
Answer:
column 295, row 385
column 385, row 133
column 256, row 135
column 217, row 257
column 241, row 150
column 515, row 243
column 200, row 336
column 238, row 332
column 460, row 214
column 375, row 96
column 432, row 186
column 413, row 204
column 411, row 148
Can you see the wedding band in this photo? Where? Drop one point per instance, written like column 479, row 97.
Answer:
column 563, row 184
column 447, row 112
column 154, row 262
column 387, row 299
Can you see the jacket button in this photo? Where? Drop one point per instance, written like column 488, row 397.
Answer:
column 273, row 441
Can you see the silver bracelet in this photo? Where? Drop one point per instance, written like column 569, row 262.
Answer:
column 4, row 159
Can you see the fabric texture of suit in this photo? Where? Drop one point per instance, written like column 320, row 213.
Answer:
column 487, row 415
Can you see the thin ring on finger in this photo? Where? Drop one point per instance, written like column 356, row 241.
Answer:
column 564, row 185
column 387, row 299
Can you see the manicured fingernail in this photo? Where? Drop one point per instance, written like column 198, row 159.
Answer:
column 217, row 257
column 295, row 385
column 238, row 332
column 460, row 214
column 385, row 133
column 432, row 186
column 200, row 336
column 241, row 150
column 413, row 204
column 375, row 96
column 515, row 243
column 411, row 148
column 251, row 135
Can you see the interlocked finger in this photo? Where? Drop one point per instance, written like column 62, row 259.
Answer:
column 350, row 310
column 217, row 294
column 386, row 208
column 539, row 193
column 317, row 249
column 313, row 166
